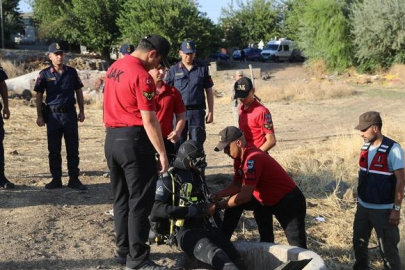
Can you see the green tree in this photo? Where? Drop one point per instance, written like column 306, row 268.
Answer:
column 88, row 22
column 12, row 22
column 325, row 32
column 249, row 22
column 97, row 25
column 378, row 27
column 176, row 20
column 292, row 11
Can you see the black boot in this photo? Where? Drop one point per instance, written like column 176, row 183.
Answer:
column 4, row 182
column 55, row 183
column 76, row 184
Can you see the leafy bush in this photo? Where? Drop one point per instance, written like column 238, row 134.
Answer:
column 325, row 33
column 378, row 27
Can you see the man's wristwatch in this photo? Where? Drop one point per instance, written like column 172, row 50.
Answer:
column 397, row 207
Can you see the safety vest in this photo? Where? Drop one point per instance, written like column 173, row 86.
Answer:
column 376, row 183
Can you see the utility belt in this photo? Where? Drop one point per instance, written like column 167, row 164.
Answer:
column 195, row 107
column 61, row 108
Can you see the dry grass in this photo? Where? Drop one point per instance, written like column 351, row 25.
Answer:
column 313, row 89
column 397, row 70
column 11, row 69
column 317, row 68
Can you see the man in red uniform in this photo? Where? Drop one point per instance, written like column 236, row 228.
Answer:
column 262, row 185
column 254, row 119
column 133, row 135
column 169, row 104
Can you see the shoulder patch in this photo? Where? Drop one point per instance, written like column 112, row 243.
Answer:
column 268, row 126
column 250, row 172
column 267, row 116
column 148, row 95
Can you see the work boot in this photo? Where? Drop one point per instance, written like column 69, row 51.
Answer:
column 121, row 259
column 76, row 184
column 4, row 183
column 149, row 265
column 55, row 183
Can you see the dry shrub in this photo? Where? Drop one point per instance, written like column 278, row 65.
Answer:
column 317, row 68
column 305, row 90
column 315, row 165
column 11, row 69
column 398, row 70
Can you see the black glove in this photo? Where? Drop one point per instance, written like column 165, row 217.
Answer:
column 197, row 210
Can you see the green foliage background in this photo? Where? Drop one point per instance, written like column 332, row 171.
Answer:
column 177, row 20
column 12, row 22
column 325, row 33
column 366, row 34
column 378, row 27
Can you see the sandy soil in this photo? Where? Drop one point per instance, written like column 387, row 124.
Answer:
column 68, row 229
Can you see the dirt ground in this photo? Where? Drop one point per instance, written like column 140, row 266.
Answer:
column 68, row 229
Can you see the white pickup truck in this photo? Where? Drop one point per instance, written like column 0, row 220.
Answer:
column 280, row 50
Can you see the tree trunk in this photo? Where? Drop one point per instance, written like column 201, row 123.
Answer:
column 105, row 55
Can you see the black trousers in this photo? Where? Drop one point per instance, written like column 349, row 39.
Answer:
column 290, row 211
column 63, row 125
column 133, row 175
column 262, row 216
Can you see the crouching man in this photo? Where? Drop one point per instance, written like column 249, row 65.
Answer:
column 183, row 216
column 262, row 185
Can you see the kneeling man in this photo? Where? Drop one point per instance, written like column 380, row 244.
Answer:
column 262, row 185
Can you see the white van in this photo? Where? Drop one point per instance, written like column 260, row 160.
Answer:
column 282, row 49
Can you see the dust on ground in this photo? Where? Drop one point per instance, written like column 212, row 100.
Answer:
column 68, row 229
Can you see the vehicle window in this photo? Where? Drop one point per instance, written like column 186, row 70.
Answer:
column 286, row 48
column 272, row 47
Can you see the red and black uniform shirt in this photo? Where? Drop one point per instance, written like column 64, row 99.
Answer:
column 168, row 104
column 255, row 122
column 257, row 168
column 129, row 88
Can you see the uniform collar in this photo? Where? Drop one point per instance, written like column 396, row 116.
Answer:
column 181, row 65
column 163, row 89
column 246, row 151
column 53, row 70
column 251, row 107
column 130, row 57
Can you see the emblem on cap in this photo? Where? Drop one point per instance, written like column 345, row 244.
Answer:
column 57, row 46
column 129, row 48
column 188, row 46
column 241, row 87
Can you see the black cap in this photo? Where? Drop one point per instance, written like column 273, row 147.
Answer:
column 242, row 87
column 55, row 47
column 162, row 46
column 228, row 135
column 127, row 49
